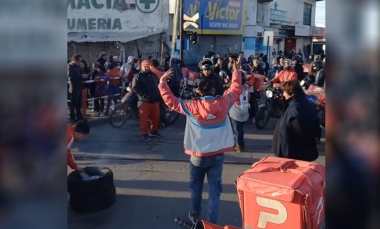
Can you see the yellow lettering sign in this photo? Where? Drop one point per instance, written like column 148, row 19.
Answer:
column 224, row 13
column 193, row 9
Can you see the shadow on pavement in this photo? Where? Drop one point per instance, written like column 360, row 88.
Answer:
column 140, row 212
column 172, row 186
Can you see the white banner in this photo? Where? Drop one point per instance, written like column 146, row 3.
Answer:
column 302, row 30
column 136, row 16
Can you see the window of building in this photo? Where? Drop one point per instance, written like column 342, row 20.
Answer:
column 307, row 13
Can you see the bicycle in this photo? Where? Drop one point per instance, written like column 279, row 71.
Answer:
column 128, row 108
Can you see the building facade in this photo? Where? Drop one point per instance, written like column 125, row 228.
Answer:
column 133, row 27
column 118, row 27
column 290, row 20
column 220, row 27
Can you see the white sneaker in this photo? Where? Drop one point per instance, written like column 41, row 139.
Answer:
column 95, row 114
column 101, row 114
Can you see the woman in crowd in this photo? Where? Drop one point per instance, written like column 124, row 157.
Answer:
column 85, row 70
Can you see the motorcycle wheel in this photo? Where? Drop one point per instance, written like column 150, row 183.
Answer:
column 262, row 118
column 168, row 116
column 119, row 115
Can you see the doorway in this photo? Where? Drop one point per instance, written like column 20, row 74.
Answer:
column 290, row 44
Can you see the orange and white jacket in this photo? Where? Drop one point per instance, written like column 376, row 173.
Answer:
column 208, row 130
column 70, row 140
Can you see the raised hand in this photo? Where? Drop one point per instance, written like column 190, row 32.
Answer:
column 166, row 76
column 237, row 63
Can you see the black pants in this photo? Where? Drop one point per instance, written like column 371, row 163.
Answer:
column 75, row 104
column 254, row 97
column 99, row 105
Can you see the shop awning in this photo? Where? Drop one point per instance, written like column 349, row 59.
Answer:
column 107, row 36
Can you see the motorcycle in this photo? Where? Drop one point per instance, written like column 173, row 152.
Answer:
column 272, row 108
column 128, row 107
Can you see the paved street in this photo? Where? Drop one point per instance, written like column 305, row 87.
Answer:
column 152, row 178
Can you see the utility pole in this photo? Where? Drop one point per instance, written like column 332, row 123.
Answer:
column 181, row 37
column 175, row 24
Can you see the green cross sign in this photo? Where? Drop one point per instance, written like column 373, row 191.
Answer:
column 147, row 3
column 275, row 5
column 147, row 6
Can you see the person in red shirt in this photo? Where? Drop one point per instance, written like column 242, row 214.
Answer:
column 75, row 133
column 285, row 75
column 154, row 68
column 113, row 90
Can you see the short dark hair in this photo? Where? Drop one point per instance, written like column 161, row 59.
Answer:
column 154, row 63
column 76, row 57
column 96, row 65
column 205, row 86
column 102, row 68
column 112, row 65
column 82, row 127
column 135, row 60
column 102, row 54
column 293, row 87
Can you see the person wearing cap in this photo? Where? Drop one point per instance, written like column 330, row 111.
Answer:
column 144, row 84
column 126, row 66
column 207, row 68
column 285, row 75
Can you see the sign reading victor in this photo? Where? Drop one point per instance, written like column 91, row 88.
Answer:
column 216, row 16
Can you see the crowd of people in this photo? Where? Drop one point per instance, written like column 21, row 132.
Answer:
column 225, row 89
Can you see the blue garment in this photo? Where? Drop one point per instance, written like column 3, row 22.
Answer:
column 237, row 128
column 213, row 167
column 112, row 90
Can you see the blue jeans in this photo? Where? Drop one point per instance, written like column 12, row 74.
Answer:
column 213, row 167
column 112, row 90
column 237, row 128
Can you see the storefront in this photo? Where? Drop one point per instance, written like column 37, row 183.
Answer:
column 220, row 28
column 115, row 27
column 319, row 39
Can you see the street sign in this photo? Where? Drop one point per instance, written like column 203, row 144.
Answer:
column 175, row 54
column 190, row 21
column 178, row 44
column 268, row 37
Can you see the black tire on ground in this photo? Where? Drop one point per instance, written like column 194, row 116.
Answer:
column 93, row 203
column 119, row 116
column 262, row 118
column 79, row 187
column 171, row 118
column 167, row 116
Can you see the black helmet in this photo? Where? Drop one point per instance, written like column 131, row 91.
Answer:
column 316, row 66
column 206, row 64
column 279, row 56
column 247, row 68
column 297, row 58
column 288, row 64
column 223, row 74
